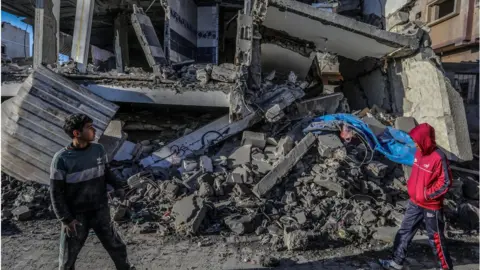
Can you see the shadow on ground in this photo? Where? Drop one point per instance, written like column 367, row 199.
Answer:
column 420, row 257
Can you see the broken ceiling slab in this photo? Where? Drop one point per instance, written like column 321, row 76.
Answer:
column 275, row 57
column 333, row 32
column 144, row 95
column 32, row 122
column 148, row 38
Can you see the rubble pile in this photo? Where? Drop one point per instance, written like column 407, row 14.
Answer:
column 271, row 184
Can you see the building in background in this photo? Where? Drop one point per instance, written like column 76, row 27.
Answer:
column 15, row 42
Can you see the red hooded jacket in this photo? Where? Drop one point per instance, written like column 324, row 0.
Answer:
column 431, row 177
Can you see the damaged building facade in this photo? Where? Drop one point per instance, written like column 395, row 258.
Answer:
column 250, row 61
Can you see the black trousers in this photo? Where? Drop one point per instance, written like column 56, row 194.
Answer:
column 435, row 225
column 101, row 224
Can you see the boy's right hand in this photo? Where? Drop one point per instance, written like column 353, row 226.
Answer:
column 72, row 227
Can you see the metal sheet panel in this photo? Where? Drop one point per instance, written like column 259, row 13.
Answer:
column 32, row 122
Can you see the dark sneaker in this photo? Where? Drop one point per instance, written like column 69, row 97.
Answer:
column 390, row 264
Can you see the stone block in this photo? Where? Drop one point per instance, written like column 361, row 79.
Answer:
column 239, row 175
column 376, row 169
column 368, row 217
column 22, row 213
column 376, row 126
column 255, row 139
column 301, row 217
column 296, row 240
column 224, row 73
column 241, row 224
column 283, row 167
column 284, row 146
column 328, row 144
column 405, row 123
column 189, row 165
column 240, row 156
column 206, row 164
column 189, row 213
column 205, row 190
column 397, row 18
column 171, row 189
column 335, row 188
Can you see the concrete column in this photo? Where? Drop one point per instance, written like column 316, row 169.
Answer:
column 46, row 30
column 121, row 42
column 81, row 33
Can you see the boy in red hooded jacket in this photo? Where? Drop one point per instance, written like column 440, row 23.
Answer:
column 429, row 181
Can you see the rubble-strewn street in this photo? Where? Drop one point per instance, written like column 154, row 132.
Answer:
column 245, row 134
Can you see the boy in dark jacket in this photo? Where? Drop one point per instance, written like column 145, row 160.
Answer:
column 429, row 181
column 78, row 188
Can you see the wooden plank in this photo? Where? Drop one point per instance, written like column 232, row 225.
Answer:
column 30, row 121
column 79, row 92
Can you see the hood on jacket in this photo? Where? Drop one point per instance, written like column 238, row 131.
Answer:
column 424, row 136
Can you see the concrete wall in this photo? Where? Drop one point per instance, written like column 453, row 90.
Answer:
column 207, row 36
column 420, row 89
column 16, row 41
column 182, row 30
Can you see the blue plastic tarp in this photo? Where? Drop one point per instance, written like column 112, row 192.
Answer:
column 394, row 144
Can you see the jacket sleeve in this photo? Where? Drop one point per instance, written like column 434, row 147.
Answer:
column 110, row 177
column 57, row 190
column 443, row 181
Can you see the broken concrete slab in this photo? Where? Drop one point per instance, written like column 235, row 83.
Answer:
column 240, row 156
column 22, row 213
column 376, row 169
column 206, row 164
column 376, row 126
column 335, row 188
column 225, row 72
column 338, row 32
column 256, row 139
column 189, row 213
column 275, row 175
column 113, row 138
column 284, row 146
column 205, row 190
column 296, row 240
column 327, row 104
column 405, row 123
column 416, row 95
column 197, row 140
column 328, row 144
column 148, row 39
column 239, row 175
column 241, row 224
column 32, row 122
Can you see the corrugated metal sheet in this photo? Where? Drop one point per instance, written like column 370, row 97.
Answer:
column 32, row 122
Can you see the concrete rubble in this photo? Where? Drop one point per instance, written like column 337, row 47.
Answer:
column 251, row 174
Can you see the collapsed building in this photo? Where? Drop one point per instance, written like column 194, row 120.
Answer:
column 271, row 62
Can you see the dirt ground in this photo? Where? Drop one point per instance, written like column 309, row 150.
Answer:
column 34, row 245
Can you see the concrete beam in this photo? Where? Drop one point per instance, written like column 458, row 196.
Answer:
column 81, row 33
column 333, row 32
column 121, row 42
column 46, row 34
column 148, row 38
column 160, row 96
column 275, row 176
